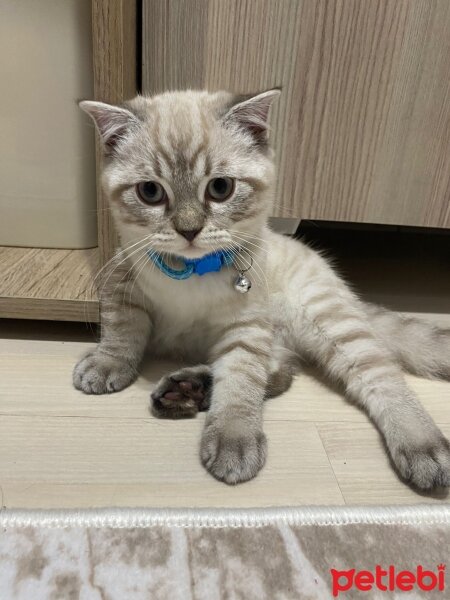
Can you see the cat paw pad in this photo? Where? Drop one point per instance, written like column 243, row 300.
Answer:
column 181, row 395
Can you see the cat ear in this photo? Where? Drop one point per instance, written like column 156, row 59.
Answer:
column 252, row 114
column 112, row 122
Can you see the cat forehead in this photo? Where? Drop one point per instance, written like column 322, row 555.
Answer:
column 181, row 111
column 181, row 131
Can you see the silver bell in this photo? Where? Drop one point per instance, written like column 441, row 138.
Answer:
column 242, row 284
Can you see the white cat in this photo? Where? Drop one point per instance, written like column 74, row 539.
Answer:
column 188, row 175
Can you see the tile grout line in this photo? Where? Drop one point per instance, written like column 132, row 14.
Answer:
column 329, row 462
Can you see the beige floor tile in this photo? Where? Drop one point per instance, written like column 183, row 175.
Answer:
column 41, row 384
column 362, row 468
column 56, row 461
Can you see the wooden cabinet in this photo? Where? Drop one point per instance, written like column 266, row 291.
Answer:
column 58, row 284
column 362, row 131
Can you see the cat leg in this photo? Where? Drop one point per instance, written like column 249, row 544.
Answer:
column 125, row 328
column 233, row 445
column 113, row 365
column 420, row 347
column 333, row 329
column 183, row 394
column 282, row 368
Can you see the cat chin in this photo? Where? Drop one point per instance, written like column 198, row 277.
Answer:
column 193, row 252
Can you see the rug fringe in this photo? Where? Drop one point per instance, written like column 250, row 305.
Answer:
column 228, row 517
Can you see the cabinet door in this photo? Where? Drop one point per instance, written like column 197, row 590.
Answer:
column 362, row 131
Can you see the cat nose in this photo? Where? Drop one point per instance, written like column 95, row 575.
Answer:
column 189, row 234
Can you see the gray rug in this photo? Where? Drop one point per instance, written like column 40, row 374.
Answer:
column 262, row 554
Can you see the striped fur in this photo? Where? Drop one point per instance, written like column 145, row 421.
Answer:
column 249, row 345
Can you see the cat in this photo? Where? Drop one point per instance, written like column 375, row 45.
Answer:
column 190, row 174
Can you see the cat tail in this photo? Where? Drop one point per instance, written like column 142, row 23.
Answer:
column 420, row 347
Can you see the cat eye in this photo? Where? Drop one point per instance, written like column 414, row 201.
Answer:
column 151, row 192
column 220, row 189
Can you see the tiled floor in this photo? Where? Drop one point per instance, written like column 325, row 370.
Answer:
column 60, row 448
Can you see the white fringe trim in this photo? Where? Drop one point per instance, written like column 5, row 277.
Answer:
column 330, row 516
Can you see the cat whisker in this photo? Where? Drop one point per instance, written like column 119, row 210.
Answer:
column 247, row 234
column 246, row 242
column 93, row 285
column 250, row 243
column 142, row 244
column 144, row 259
column 116, row 256
column 124, row 276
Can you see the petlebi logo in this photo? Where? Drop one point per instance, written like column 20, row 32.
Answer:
column 388, row 579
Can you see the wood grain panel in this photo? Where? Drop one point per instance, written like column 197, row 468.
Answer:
column 51, row 284
column 49, row 309
column 162, row 46
column 362, row 131
column 114, row 57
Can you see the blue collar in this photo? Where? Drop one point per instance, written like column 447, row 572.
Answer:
column 210, row 263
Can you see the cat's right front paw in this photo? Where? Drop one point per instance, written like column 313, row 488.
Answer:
column 234, row 451
column 99, row 373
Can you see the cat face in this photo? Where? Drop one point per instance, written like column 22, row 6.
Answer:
column 191, row 172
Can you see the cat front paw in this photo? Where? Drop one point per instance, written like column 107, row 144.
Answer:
column 99, row 373
column 426, row 465
column 183, row 394
column 233, row 452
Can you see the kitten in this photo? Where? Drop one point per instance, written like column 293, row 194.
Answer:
column 191, row 173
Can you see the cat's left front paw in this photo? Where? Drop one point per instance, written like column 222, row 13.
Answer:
column 425, row 466
column 233, row 452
